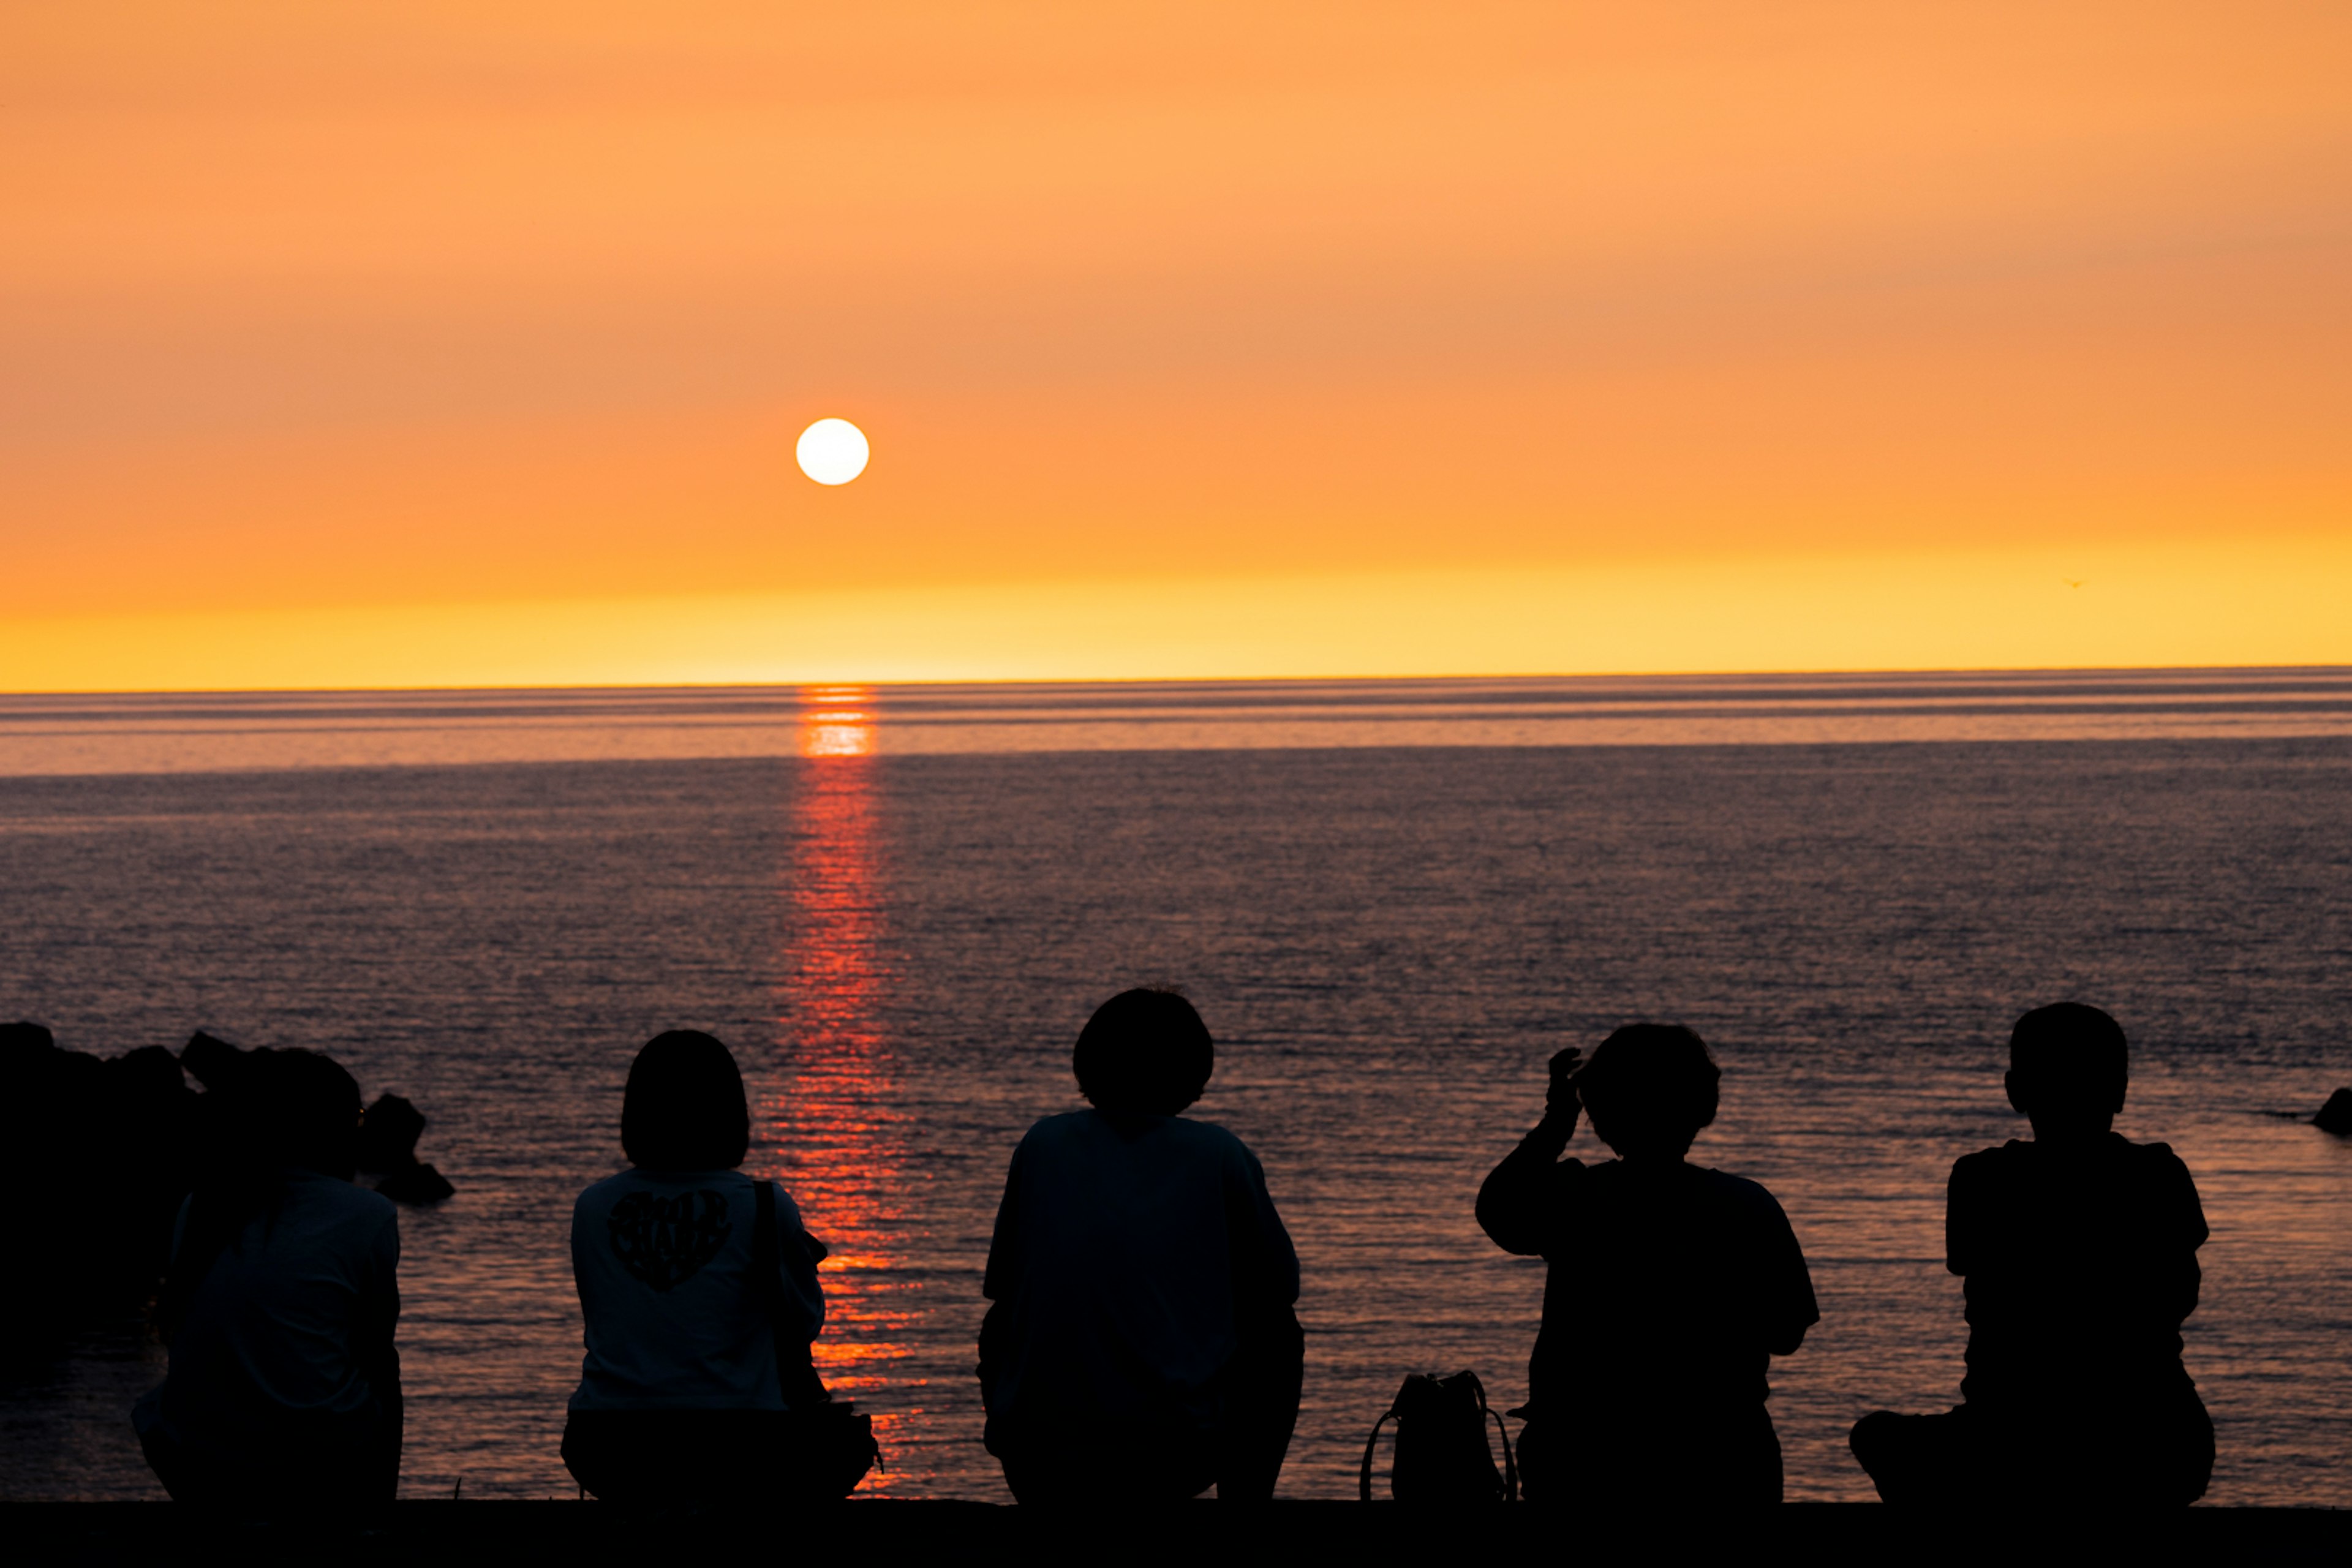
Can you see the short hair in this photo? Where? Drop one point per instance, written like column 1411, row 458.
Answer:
column 684, row 1108
column 1656, row 1076
column 1144, row 1051
column 2071, row 1054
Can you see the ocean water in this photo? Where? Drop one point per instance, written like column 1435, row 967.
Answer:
column 1392, row 902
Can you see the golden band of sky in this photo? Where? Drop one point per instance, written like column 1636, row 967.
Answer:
column 428, row 344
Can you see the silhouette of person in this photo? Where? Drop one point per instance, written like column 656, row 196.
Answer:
column 279, row 1305
column 1142, row 1344
column 698, row 1332
column 2079, row 1253
column 1670, row 1287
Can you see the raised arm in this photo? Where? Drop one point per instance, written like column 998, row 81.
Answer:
column 1518, row 1203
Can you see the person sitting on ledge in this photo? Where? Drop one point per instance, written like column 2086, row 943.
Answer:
column 1670, row 1289
column 279, row 1302
column 1142, row 1344
column 699, row 1388
column 2079, row 1253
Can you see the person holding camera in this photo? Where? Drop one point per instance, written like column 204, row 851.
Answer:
column 1671, row 1288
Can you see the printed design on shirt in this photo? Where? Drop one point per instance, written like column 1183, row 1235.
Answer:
column 663, row 1242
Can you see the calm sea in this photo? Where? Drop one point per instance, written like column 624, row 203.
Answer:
column 1391, row 900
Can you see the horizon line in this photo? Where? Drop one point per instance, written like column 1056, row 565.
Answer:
column 903, row 684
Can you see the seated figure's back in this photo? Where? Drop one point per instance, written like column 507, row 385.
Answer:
column 2079, row 1253
column 1682, row 1280
column 2080, row 1263
column 1141, row 1345
column 280, row 1304
column 272, row 1334
column 1126, row 1244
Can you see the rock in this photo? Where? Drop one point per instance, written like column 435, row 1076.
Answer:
column 149, row 1073
column 52, row 1102
column 2335, row 1116
column 96, row 1157
column 418, row 1184
column 24, row 1040
column 155, row 1119
column 388, row 1132
column 212, row 1062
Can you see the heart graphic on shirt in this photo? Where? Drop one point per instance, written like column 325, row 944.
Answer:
column 663, row 1242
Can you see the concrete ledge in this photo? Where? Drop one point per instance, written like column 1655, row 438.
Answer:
column 510, row 1534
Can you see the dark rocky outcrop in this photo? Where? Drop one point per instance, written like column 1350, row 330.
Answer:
column 97, row 1155
column 2335, row 1116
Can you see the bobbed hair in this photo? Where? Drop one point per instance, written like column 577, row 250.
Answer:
column 684, row 1108
column 1650, row 1085
column 1145, row 1052
column 2069, row 1057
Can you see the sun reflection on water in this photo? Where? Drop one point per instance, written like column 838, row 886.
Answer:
column 835, row 722
column 830, row 1122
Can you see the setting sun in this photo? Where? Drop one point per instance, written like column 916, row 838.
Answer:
column 833, row 451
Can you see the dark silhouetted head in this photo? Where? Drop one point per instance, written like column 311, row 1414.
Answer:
column 1649, row 1089
column 295, row 1107
column 684, row 1108
column 2068, row 1069
column 1144, row 1053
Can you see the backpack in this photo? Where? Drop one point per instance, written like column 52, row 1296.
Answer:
column 1441, row 1454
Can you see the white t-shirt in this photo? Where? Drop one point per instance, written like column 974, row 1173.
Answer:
column 663, row 1261
column 1125, row 1251
column 270, row 1345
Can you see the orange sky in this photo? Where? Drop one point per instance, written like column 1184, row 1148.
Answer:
column 415, row 344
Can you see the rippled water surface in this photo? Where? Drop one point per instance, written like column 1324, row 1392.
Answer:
column 901, row 940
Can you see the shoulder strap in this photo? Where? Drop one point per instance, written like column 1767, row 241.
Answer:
column 1364, row 1478
column 766, row 1265
column 1510, row 1466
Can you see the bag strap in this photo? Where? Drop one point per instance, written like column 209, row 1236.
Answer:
column 1510, row 1462
column 1510, row 1465
column 1364, row 1480
column 768, row 1290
